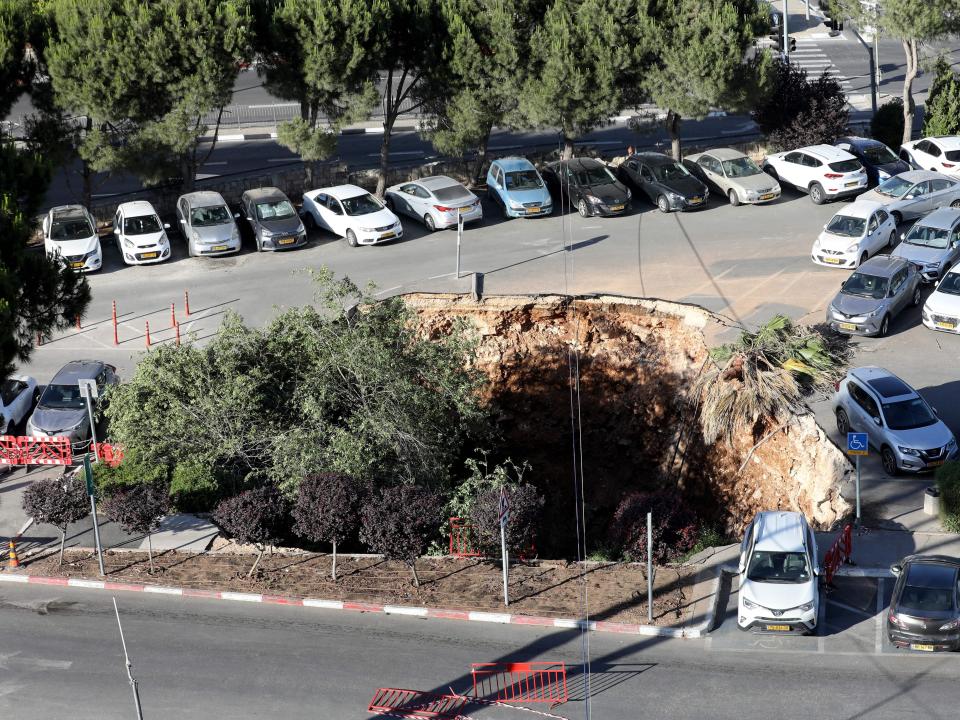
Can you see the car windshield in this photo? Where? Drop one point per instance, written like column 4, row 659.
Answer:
column 141, row 225
column 206, row 216
column 908, row 414
column 879, row 154
column 275, row 210
column 740, row 167
column 72, row 229
column 846, row 226
column 868, row 286
column 523, row 180
column 62, row 397
column 926, row 599
column 361, row 204
column 596, row 175
column 778, row 567
column 451, row 192
column 928, row 237
column 894, row 187
column 846, row 166
column 950, row 284
column 670, row 171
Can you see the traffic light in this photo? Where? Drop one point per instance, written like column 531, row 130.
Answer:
column 778, row 40
column 793, row 43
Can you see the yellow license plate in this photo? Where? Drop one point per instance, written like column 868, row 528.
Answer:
column 852, row 184
column 387, row 236
column 287, row 241
column 616, row 208
column 778, row 628
column 832, row 260
column 532, row 211
column 217, row 248
column 148, row 256
column 946, row 325
column 935, row 463
column 920, row 646
column 77, row 264
column 465, row 209
column 847, row 326
column 768, row 196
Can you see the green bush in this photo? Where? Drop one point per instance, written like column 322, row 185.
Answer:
column 129, row 472
column 948, row 483
column 194, row 487
column 887, row 125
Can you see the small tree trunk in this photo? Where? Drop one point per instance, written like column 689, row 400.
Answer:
column 909, row 107
column 150, row 551
column 384, row 156
column 673, row 127
column 257, row 562
column 63, row 539
column 416, row 579
column 567, row 147
column 333, row 571
column 481, row 157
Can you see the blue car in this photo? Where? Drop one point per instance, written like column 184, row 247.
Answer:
column 880, row 162
column 515, row 185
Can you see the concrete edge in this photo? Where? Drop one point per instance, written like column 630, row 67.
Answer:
column 701, row 629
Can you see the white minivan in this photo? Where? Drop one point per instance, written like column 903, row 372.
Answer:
column 778, row 575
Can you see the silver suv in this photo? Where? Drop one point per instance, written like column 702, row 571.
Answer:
column 871, row 297
column 933, row 243
column 899, row 423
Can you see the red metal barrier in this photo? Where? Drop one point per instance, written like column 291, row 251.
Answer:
column 525, row 682
column 46, row 451
column 10, row 450
column 112, row 455
column 839, row 552
column 461, row 543
column 398, row 702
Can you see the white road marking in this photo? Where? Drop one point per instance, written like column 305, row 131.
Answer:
column 217, row 162
column 848, row 608
column 398, row 152
column 878, row 644
column 257, row 107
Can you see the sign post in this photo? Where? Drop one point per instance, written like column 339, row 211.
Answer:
column 857, row 445
column 88, row 473
column 459, row 236
column 650, row 568
column 504, row 512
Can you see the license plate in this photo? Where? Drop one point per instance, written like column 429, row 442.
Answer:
column 465, row 209
column 853, row 184
column 778, row 628
column 847, row 326
column 616, row 208
column 935, row 463
column 920, row 646
column 148, row 256
column 696, row 200
column 532, row 211
column 832, row 260
column 77, row 264
column 387, row 236
column 217, row 248
column 287, row 241
column 768, row 196
column 946, row 325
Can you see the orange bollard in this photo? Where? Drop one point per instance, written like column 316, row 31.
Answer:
column 177, row 328
column 148, row 334
column 78, row 323
column 186, row 302
column 173, row 316
column 39, row 339
column 14, row 562
column 115, row 340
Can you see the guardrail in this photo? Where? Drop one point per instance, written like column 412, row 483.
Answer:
column 838, row 554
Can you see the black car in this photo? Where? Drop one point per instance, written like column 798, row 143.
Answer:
column 925, row 607
column 877, row 159
column 665, row 181
column 589, row 185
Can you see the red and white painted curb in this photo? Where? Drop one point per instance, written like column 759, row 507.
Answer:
column 467, row 615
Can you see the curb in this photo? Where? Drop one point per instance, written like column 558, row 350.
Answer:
column 424, row 612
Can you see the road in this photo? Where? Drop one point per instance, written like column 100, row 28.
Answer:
column 61, row 657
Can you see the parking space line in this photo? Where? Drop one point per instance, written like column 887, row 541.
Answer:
column 848, row 608
column 878, row 645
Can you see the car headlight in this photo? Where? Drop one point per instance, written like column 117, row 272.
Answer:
column 593, row 199
column 196, row 236
column 265, row 234
column 363, row 229
column 674, row 197
column 752, row 193
column 933, row 265
column 853, row 248
column 235, row 234
column 952, row 625
column 164, row 240
column 749, row 604
column 816, row 244
column 952, row 445
column 925, row 312
column 806, row 607
column 127, row 243
column 516, row 205
column 629, row 194
column 908, row 451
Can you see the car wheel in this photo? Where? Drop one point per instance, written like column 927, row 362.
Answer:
column 892, row 240
column 843, row 422
column 863, row 258
column 955, row 204
column 503, row 207
column 351, row 238
column 916, row 296
column 884, row 326
column 583, row 209
column 663, row 204
column 429, row 222
column 889, row 461
column 897, row 218
column 816, row 194
column 734, row 198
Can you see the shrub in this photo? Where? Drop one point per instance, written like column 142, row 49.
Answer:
column 256, row 517
column 675, row 529
column 139, row 509
column 948, row 483
column 887, row 124
column 399, row 522
column 942, row 112
column 58, row 501
column 327, row 509
column 526, row 507
column 193, row 487
column 132, row 471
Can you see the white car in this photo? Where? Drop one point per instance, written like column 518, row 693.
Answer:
column 141, row 237
column 940, row 154
column 69, row 231
column 778, row 575
column 435, row 201
column 824, row 171
column 352, row 213
column 941, row 311
column 855, row 233
column 18, row 395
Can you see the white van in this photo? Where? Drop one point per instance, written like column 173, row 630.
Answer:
column 778, row 574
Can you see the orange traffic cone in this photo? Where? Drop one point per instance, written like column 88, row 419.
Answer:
column 13, row 561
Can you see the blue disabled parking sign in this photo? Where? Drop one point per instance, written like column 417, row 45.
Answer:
column 857, row 443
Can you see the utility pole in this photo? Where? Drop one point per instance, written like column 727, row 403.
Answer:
column 88, row 389
column 126, row 659
column 786, row 32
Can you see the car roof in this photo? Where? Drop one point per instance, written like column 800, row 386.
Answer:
column 137, row 208
column 435, row 182
column 950, row 142
column 779, row 530
column 724, row 153
column 861, row 209
column 918, row 175
column 883, row 265
column 858, row 141
column 511, row 164
column 883, row 382
column 931, row 572
column 68, row 211
column 203, row 198
column 826, row 152
column 942, row 218
column 342, row 192
column 264, row 193
column 655, row 158
column 77, row 370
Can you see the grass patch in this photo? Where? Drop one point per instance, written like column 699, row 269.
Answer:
column 948, row 483
column 708, row 537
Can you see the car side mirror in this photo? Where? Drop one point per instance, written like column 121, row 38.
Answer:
column 903, row 236
column 742, row 566
column 816, row 570
column 896, row 569
column 955, row 244
column 878, row 421
column 909, row 197
column 116, row 231
column 182, row 221
column 249, row 218
column 166, row 226
column 236, row 215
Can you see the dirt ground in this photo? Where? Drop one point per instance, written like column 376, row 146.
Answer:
column 615, row 592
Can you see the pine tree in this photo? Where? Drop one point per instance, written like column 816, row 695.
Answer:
column 942, row 115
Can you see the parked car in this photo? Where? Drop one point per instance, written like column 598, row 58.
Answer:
column 824, row 172
column 940, row 154
column 18, row 395
column 589, row 185
column 925, row 607
column 880, row 162
column 933, row 243
column 898, row 422
column 69, row 231
column 869, row 300
column 207, row 224
column 778, row 574
column 62, row 410
column 854, row 234
column 941, row 311
column 273, row 219
column 734, row 175
column 352, row 213
column 668, row 184
column 435, row 201
column 914, row 193
column 514, row 184
column 141, row 237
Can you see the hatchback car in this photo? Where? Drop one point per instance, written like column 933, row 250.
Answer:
column 435, row 201
column 914, row 193
column 940, row 154
column 668, row 184
column 880, row 162
column 352, row 213
column 824, row 172
column 898, row 422
column 207, row 224
column 141, row 237
column 588, row 185
column 778, row 574
column 62, row 410
column 70, row 232
column 18, row 395
column 925, row 606
column 515, row 185
column 869, row 300
column 933, row 243
column 273, row 219
column 941, row 311
column 734, row 175
column 854, row 234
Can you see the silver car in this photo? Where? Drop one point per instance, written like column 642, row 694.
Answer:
column 933, row 243
column 273, row 219
column 435, row 201
column 734, row 175
column 914, row 193
column 898, row 422
column 61, row 410
column 207, row 224
column 870, row 298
